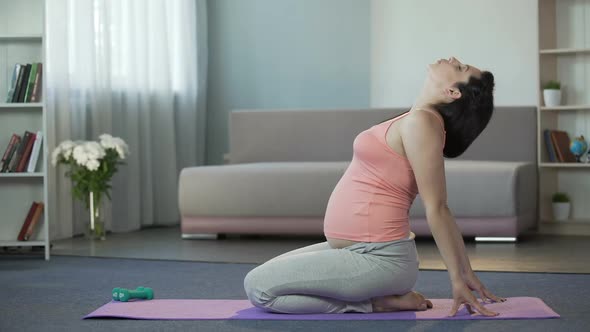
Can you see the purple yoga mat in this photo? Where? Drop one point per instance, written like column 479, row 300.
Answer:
column 513, row 308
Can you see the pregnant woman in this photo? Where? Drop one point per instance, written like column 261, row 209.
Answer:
column 369, row 262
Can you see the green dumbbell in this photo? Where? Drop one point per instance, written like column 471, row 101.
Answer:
column 125, row 295
column 139, row 293
column 116, row 294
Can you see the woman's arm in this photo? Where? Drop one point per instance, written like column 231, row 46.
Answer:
column 422, row 139
column 449, row 225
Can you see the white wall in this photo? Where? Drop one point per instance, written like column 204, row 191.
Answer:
column 22, row 17
column 284, row 54
column 499, row 36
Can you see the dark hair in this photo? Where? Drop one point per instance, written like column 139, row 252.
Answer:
column 465, row 118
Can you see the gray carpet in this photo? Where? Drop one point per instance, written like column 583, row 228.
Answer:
column 54, row 296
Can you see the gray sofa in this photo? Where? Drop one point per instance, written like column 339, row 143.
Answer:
column 283, row 165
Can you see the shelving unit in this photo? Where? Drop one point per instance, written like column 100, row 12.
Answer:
column 20, row 105
column 564, row 55
column 22, row 41
column 16, row 37
column 565, row 108
column 21, row 175
column 565, row 51
column 566, row 165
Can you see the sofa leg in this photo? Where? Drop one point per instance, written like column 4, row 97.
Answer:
column 494, row 239
column 200, row 236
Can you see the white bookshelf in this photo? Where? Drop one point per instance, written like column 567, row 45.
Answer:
column 18, row 37
column 564, row 55
column 22, row 41
column 9, row 106
column 21, row 243
column 565, row 51
column 565, row 165
column 22, row 175
column 565, row 108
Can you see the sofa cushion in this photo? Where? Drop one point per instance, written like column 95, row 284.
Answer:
column 259, row 189
column 486, row 188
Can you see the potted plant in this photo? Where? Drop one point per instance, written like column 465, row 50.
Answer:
column 561, row 206
column 552, row 93
column 91, row 166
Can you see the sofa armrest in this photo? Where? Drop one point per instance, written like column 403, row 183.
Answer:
column 527, row 199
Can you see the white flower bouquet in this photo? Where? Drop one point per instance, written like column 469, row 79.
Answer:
column 92, row 165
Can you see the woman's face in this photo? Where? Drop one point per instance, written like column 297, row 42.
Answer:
column 446, row 73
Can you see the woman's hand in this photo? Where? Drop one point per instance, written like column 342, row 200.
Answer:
column 475, row 285
column 462, row 295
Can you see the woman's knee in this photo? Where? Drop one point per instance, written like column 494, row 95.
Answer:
column 250, row 281
column 253, row 285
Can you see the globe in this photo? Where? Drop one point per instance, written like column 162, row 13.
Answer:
column 578, row 147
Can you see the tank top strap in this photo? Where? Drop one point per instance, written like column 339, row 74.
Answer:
column 438, row 116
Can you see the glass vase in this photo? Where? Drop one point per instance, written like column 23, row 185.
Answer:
column 95, row 229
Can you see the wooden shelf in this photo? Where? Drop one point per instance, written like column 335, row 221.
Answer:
column 21, row 243
column 569, row 221
column 566, row 108
column 565, row 165
column 21, row 105
column 565, row 51
column 578, row 227
column 38, row 38
column 21, row 175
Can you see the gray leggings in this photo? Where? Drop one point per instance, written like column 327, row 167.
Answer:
column 319, row 279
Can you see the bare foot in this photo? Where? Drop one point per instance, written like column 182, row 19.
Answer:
column 410, row 301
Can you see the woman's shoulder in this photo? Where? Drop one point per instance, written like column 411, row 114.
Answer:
column 421, row 122
column 437, row 115
column 424, row 118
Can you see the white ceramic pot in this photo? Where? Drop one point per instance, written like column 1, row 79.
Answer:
column 561, row 211
column 552, row 97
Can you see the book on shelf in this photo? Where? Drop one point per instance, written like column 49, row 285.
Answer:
column 13, row 81
column 549, row 145
column 561, row 145
column 30, row 83
column 35, row 153
column 31, row 221
column 22, row 153
column 13, row 141
column 12, row 147
column 35, row 220
column 25, row 85
column 37, row 85
column 18, row 84
column 24, row 161
column 28, row 219
column 19, row 152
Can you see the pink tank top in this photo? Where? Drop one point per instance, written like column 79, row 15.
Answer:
column 372, row 200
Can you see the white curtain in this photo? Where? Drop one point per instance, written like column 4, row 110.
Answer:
column 135, row 69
